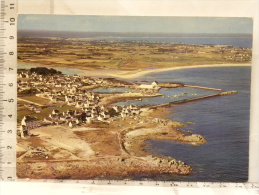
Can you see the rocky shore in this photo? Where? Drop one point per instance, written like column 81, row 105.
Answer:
column 111, row 151
column 108, row 168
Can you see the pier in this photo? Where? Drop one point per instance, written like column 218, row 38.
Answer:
column 204, row 97
column 194, row 99
column 200, row 87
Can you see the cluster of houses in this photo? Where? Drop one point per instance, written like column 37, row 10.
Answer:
column 74, row 118
column 235, row 54
column 69, row 90
column 69, row 84
column 91, row 114
column 238, row 57
column 27, row 124
column 76, row 99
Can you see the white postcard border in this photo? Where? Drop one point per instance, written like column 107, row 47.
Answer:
column 202, row 8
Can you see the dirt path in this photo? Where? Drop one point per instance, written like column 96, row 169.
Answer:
column 30, row 102
column 121, row 141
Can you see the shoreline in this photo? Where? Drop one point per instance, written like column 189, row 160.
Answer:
column 132, row 74
column 145, row 72
column 120, row 159
column 101, row 160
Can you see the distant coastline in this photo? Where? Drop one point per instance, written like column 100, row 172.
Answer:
column 96, row 34
column 134, row 73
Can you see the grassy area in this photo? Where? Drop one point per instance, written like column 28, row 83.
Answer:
column 33, row 98
column 126, row 55
column 24, row 111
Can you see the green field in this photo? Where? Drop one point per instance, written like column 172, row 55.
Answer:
column 125, row 55
column 35, row 99
column 24, row 111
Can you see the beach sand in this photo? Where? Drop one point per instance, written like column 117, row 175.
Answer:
column 131, row 74
column 125, row 74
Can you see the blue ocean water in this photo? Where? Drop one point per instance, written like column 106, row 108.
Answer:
column 236, row 40
column 223, row 121
column 170, row 95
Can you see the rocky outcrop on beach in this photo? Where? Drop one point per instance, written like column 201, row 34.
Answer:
column 195, row 139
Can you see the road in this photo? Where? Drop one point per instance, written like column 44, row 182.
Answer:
column 29, row 102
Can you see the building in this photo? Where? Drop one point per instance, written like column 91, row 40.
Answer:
column 149, row 86
column 27, row 124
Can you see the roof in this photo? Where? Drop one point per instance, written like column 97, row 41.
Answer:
column 30, row 119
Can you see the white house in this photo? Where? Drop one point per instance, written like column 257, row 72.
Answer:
column 149, row 86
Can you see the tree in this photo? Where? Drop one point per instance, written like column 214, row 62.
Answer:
column 44, row 71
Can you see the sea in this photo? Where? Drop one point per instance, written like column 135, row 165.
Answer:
column 222, row 120
column 234, row 39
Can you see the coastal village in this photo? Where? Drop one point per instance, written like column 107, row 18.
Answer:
column 61, row 119
column 72, row 91
column 70, row 127
column 65, row 120
column 83, row 105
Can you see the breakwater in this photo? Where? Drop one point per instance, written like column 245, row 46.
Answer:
column 222, row 120
column 195, row 99
column 204, row 97
column 200, row 87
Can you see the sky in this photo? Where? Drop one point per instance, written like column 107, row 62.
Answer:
column 135, row 24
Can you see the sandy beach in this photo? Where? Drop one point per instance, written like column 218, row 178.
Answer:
column 138, row 73
column 131, row 74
